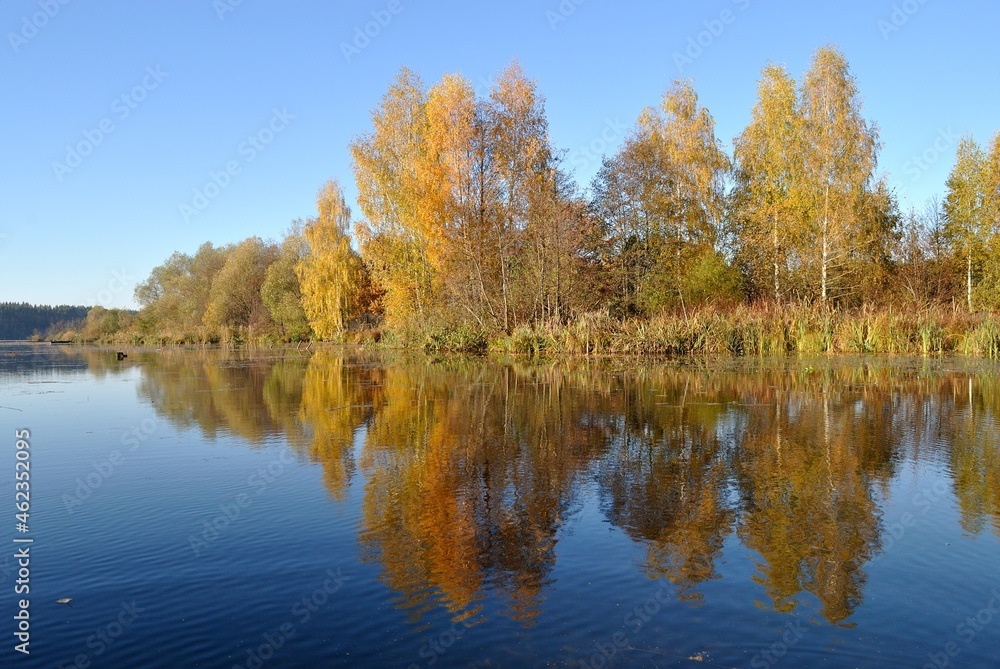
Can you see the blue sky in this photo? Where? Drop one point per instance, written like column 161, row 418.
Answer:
column 162, row 95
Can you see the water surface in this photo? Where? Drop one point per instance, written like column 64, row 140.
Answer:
column 205, row 508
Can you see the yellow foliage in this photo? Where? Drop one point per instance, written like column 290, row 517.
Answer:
column 331, row 275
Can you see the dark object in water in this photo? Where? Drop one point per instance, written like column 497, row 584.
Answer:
column 60, row 341
column 121, row 356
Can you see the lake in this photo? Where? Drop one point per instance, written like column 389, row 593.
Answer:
column 210, row 508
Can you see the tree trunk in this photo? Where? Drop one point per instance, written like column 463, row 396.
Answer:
column 968, row 281
column 777, row 291
column 826, row 233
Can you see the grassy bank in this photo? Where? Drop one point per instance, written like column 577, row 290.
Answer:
column 748, row 331
column 742, row 331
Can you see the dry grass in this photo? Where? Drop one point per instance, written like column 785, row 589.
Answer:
column 764, row 331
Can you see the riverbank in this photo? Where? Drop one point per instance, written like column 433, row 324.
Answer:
column 740, row 331
column 747, row 331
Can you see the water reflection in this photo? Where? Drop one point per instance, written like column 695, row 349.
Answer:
column 470, row 469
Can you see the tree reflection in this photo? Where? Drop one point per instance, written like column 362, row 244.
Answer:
column 218, row 392
column 666, row 481
column 469, row 470
column 809, row 510
column 336, row 400
column 975, row 454
column 470, row 475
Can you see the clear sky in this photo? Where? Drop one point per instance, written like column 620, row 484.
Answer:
column 115, row 113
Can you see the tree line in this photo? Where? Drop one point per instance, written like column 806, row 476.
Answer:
column 20, row 320
column 472, row 224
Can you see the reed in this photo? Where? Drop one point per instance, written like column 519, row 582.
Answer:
column 763, row 332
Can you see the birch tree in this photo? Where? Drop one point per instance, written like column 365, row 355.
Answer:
column 965, row 209
column 387, row 167
column 331, row 275
column 663, row 198
column 769, row 175
column 840, row 154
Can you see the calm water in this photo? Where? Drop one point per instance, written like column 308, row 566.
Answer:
column 212, row 509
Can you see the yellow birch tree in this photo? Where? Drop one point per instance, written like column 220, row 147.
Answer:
column 331, row 275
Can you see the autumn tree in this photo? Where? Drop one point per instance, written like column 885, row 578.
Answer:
column 869, row 265
column 459, row 199
column 840, row 149
column 521, row 159
column 331, row 274
column 662, row 200
column 464, row 204
column 104, row 324
column 282, row 292
column 964, row 208
column 923, row 258
column 235, row 298
column 769, row 174
column 558, row 259
column 972, row 215
column 175, row 296
column 991, row 207
column 992, row 198
column 387, row 169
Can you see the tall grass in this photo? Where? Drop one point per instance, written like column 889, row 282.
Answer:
column 763, row 332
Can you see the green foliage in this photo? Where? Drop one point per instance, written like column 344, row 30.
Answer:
column 175, row 297
column 23, row 320
column 282, row 293
column 235, row 300
column 107, row 325
column 712, row 279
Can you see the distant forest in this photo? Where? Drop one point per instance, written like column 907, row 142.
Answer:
column 22, row 320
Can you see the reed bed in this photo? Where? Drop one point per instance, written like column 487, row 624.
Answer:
column 764, row 332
